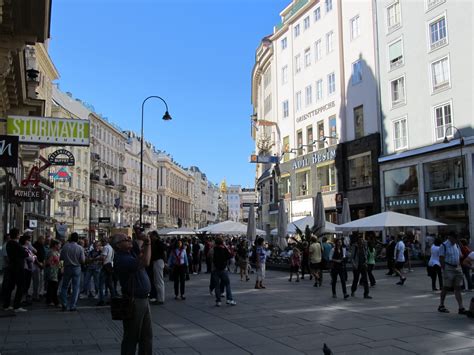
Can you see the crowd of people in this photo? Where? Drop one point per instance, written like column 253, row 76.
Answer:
column 60, row 272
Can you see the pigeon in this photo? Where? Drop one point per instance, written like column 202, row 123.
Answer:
column 326, row 350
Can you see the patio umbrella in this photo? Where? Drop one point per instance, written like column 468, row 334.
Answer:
column 228, row 227
column 301, row 225
column 319, row 216
column 182, row 231
column 345, row 217
column 282, row 225
column 251, row 227
column 384, row 220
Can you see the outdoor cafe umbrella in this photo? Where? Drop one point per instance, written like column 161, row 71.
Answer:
column 319, row 215
column 251, row 227
column 228, row 227
column 301, row 225
column 345, row 216
column 282, row 225
column 182, row 231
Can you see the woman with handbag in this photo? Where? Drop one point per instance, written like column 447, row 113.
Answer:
column 178, row 263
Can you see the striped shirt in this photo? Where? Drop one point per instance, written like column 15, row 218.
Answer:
column 451, row 253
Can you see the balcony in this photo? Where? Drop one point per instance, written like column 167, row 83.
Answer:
column 94, row 177
column 109, row 182
column 122, row 170
column 95, row 157
column 122, row 188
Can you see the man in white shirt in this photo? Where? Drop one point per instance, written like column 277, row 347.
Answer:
column 399, row 258
column 106, row 280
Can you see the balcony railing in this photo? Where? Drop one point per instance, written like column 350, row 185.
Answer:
column 122, row 188
column 95, row 157
column 122, row 170
column 94, row 177
column 109, row 182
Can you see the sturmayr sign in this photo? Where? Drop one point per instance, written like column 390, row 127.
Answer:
column 47, row 130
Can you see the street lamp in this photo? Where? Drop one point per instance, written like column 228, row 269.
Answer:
column 166, row 117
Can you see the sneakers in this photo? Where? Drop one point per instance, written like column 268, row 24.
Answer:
column 462, row 311
column 82, row 296
column 402, row 281
column 18, row 310
column 8, row 308
column 346, row 296
column 231, row 302
column 218, row 304
column 367, row 297
column 152, row 299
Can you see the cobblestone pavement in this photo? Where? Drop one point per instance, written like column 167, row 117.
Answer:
column 286, row 318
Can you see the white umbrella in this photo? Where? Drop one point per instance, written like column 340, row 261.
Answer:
column 282, row 225
column 319, row 215
column 345, row 217
column 182, row 231
column 251, row 227
column 302, row 223
column 384, row 220
column 228, row 227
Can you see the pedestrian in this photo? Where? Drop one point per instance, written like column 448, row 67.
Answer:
column 315, row 257
column 93, row 266
column 326, row 248
column 399, row 259
column 72, row 255
column 25, row 242
column 371, row 262
column 195, row 250
column 106, row 276
column 390, row 252
column 52, row 270
column 260, row 259
column 450, row 258
column 178, row 263
column 295, row 264
column 221, row 257
column 159, row 252
column 16, row 255
column 38, row 266
column 207, row 248
column 130, row 262
column 337, row 257
column 305, row 260
column 359, row 267
column 434, row 266
column 465, row 251
column 243, row 257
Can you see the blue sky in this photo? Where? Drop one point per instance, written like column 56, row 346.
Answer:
column 196, row 54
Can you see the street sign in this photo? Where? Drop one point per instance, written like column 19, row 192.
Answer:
column 73, row 203
column 248, row 204
column 8, row 151
column 104, row 219
column 264, row 159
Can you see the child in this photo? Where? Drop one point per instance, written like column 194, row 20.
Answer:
column 295, row 263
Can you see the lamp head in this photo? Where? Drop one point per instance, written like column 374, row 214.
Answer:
column 167, row 116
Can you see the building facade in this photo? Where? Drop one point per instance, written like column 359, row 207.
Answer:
column 426, row 95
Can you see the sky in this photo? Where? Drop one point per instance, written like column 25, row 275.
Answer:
column 196, row 54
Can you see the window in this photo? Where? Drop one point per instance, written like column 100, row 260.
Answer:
column 298, row 63
column 284, row 186
column 393, row 16
column 299, row 141
column 267, row 104
column 438, row 33
column 317, row 14
column 397, row 87
column 356, row 72
column 309, row 138
column 355, row 30
column 285, row 108
column 327, row 178
column 286, row 148
column 329, row 42
column 400, row 138
column 308, row 95
column 267, row 78
column 303, row 186
column 319, row 89
column 443, row 120
column 297, row 30
column 317, row 50
column 331, row 83
column 307, row 57
column 444, row 175
column 332, row 130
column 395, row 54
column 298, row 101
column 284, row 74
column 321, row 135
column 360, row 170
column 328, row 5
column 359, row 121
column 306, row 23
column 284, row 43
column 440, row 74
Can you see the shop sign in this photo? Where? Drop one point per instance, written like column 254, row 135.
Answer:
column 264, row 159
column 401, row 202
column 8, row 151
column 33, row 223
column 27, row 194
column 316, row 112
column 47, row 130
column 444, row 198
column 62, row 175
column 104, row 219
column 62, row 157
column 73, row 203
column 318, row 157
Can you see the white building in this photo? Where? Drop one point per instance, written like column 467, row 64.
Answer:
column 426, row 90
column 234, row 208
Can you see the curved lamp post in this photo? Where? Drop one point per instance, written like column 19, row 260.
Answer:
column 166, row 117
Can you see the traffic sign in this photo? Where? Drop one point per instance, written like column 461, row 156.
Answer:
column 264, row 159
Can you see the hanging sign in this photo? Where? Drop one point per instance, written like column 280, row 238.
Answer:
column 62, row 175
column 8, row 151
column 62, row 157
column 20, row 194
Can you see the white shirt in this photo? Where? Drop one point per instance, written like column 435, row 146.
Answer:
column 471, row 259
column 434, row 259
column 400, row 252
column 108, row 252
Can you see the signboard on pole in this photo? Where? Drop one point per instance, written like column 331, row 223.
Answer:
column 48, row 130
column 62, row 157
column 21, row 194
column 264, row 159
column 8, row 151
column 73, row 203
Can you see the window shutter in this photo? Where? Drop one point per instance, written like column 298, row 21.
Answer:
column 395, row 50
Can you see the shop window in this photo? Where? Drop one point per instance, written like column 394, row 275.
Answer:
column 360, row 171
column 359, row 121
column 327, row 178
column 286, row 148
column 321, row 135
column 332, row 130
column 309, row 138
column 401, row 181
column 444, row 174
column 299, row 141
column 303, row 183
column 284, row 187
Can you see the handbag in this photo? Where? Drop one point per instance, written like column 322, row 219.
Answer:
column 122, row 308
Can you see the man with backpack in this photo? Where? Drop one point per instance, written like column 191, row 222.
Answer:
column 220, row 258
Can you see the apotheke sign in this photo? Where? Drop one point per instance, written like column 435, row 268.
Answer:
column 51, row 131
column 316, row 112
column 318, row 157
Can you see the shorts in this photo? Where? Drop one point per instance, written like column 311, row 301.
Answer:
column 294, row 268
column 243, row 265
column 315, row 267
column 452, row 277
column 399, row 265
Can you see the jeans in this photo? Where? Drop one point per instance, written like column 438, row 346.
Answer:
column 138, row 330
column 106, row 281
column 158, row 280
column 179, row 274
column 335, row 272
column 361, row 272
column 38, row 282
column 370, row 268
column 72, row 275
column 436, row 273
column 94, row 274
column 221, row 278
